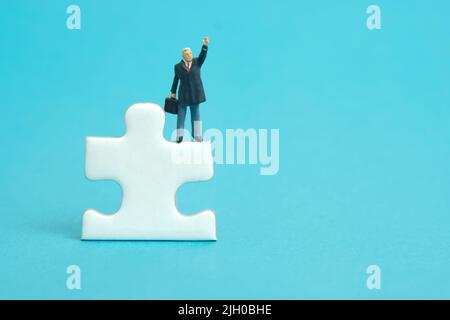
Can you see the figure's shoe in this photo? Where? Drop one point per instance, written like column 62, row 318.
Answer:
column 198, row 139
column 179, row 139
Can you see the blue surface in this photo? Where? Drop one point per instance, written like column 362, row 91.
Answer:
column 364, row 147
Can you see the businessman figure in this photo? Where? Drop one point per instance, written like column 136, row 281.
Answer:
column 190, row 93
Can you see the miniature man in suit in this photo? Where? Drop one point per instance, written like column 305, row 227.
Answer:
column 191, row 92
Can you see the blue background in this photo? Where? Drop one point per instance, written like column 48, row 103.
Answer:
column 364, row 147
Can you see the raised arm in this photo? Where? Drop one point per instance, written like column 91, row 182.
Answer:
column 203, row 52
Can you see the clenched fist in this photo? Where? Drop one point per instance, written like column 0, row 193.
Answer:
column 205, row 41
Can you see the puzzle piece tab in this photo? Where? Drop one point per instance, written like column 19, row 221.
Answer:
column 149, row 169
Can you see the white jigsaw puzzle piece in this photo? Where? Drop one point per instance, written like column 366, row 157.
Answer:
column 149, row 169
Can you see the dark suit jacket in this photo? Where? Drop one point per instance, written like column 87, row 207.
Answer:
column 191, row 90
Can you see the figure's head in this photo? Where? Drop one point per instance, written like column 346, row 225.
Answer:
column 187, row 54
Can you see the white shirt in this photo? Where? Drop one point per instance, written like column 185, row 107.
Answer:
column 188, row 64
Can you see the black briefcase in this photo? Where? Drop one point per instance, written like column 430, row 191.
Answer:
column 171, row 105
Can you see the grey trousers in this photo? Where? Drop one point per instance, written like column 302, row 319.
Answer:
column 195, row 121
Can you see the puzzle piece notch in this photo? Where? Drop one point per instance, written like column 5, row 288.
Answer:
column 142, row 162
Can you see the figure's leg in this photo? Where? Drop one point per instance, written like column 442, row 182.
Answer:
column 196, row 123
column 180, row 122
